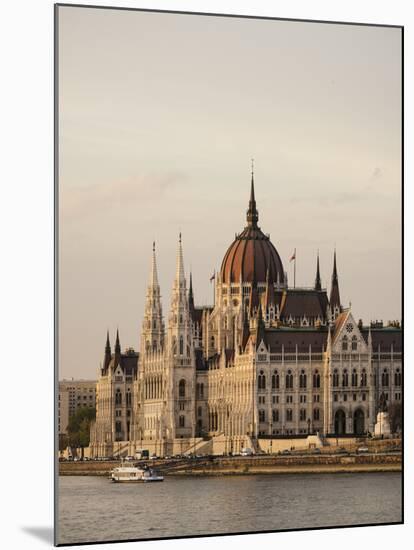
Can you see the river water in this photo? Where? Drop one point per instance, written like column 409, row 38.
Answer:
column 94, row 509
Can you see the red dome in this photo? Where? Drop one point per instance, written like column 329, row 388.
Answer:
column 252, row 257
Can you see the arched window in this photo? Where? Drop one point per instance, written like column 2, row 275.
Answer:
column 181, row 388
column 354, row 377
column 316, row 379
column 181, row 421
column 345, row 379
column 118, row 397
column 363, row 377
column 181, row 345
column 335, row 378
column 275, row 380
column 345, row 343
column 354, row 343
column 262, row 415
column 275, row 415
column 261, row 381
column 289, row 380
column 302, row 379
column 128, row 398
column 385, row 379
column 397, row 377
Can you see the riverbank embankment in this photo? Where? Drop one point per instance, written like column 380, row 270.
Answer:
column 379, row 462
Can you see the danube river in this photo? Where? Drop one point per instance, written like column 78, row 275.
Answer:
column 94, row 509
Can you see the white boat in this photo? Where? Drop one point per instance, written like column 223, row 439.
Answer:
column 126, row 472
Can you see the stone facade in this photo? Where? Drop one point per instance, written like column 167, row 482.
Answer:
column 266, row 360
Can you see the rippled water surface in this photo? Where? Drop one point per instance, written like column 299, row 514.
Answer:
column 94, row 509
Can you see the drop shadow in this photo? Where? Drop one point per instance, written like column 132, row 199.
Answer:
column 43, row 533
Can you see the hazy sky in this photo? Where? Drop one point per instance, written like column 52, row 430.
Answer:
column 159, row 117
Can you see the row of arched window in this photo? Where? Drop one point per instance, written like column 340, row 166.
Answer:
column 289, row 415
column 345, row 378
column 261, row 380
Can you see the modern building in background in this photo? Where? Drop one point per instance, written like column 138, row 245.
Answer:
column 265, row 360
column 73, row 395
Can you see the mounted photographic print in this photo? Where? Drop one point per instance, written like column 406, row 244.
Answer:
column 228, row 274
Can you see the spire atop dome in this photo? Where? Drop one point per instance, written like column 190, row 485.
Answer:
column 252, row 213
column 318, row 285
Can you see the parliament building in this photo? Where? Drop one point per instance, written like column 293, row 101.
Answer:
column 267, row 361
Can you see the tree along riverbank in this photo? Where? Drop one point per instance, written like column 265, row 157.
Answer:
column 317, row 464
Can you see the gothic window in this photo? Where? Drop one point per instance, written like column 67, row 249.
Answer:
column 289, row 415
column 397, row 377
column 118, row 397
column 128, row 398
column 199, row 411
column 345, row 379
column 345, row 343
column 201, row 390
column 302, row 415
column 275, row 415
column 364, row 377
column 289, row 380
column 316, row 379
column 261, row 381
column 354, row 343
column 198, row 390
column 182, row 406
column 213, row 343
column 262, row 416
column 302, row 379
column 335, row 378
column 354, row 378
column 154, row 324
column 181, row 421
column 316, row 414
column 181, row 345
column 385, row 379
column 181, row 388
column 118, row 427
column 275, row 380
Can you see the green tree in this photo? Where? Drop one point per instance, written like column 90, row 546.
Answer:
column 79, row 427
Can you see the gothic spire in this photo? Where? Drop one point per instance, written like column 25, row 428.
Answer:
column 152, row 335
column 318, row 285
column 179, row 274
column 107, row 357
column 117, row 344
column 252, row 213
column 334, row 299
column 191, row 296
column 154, row 273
